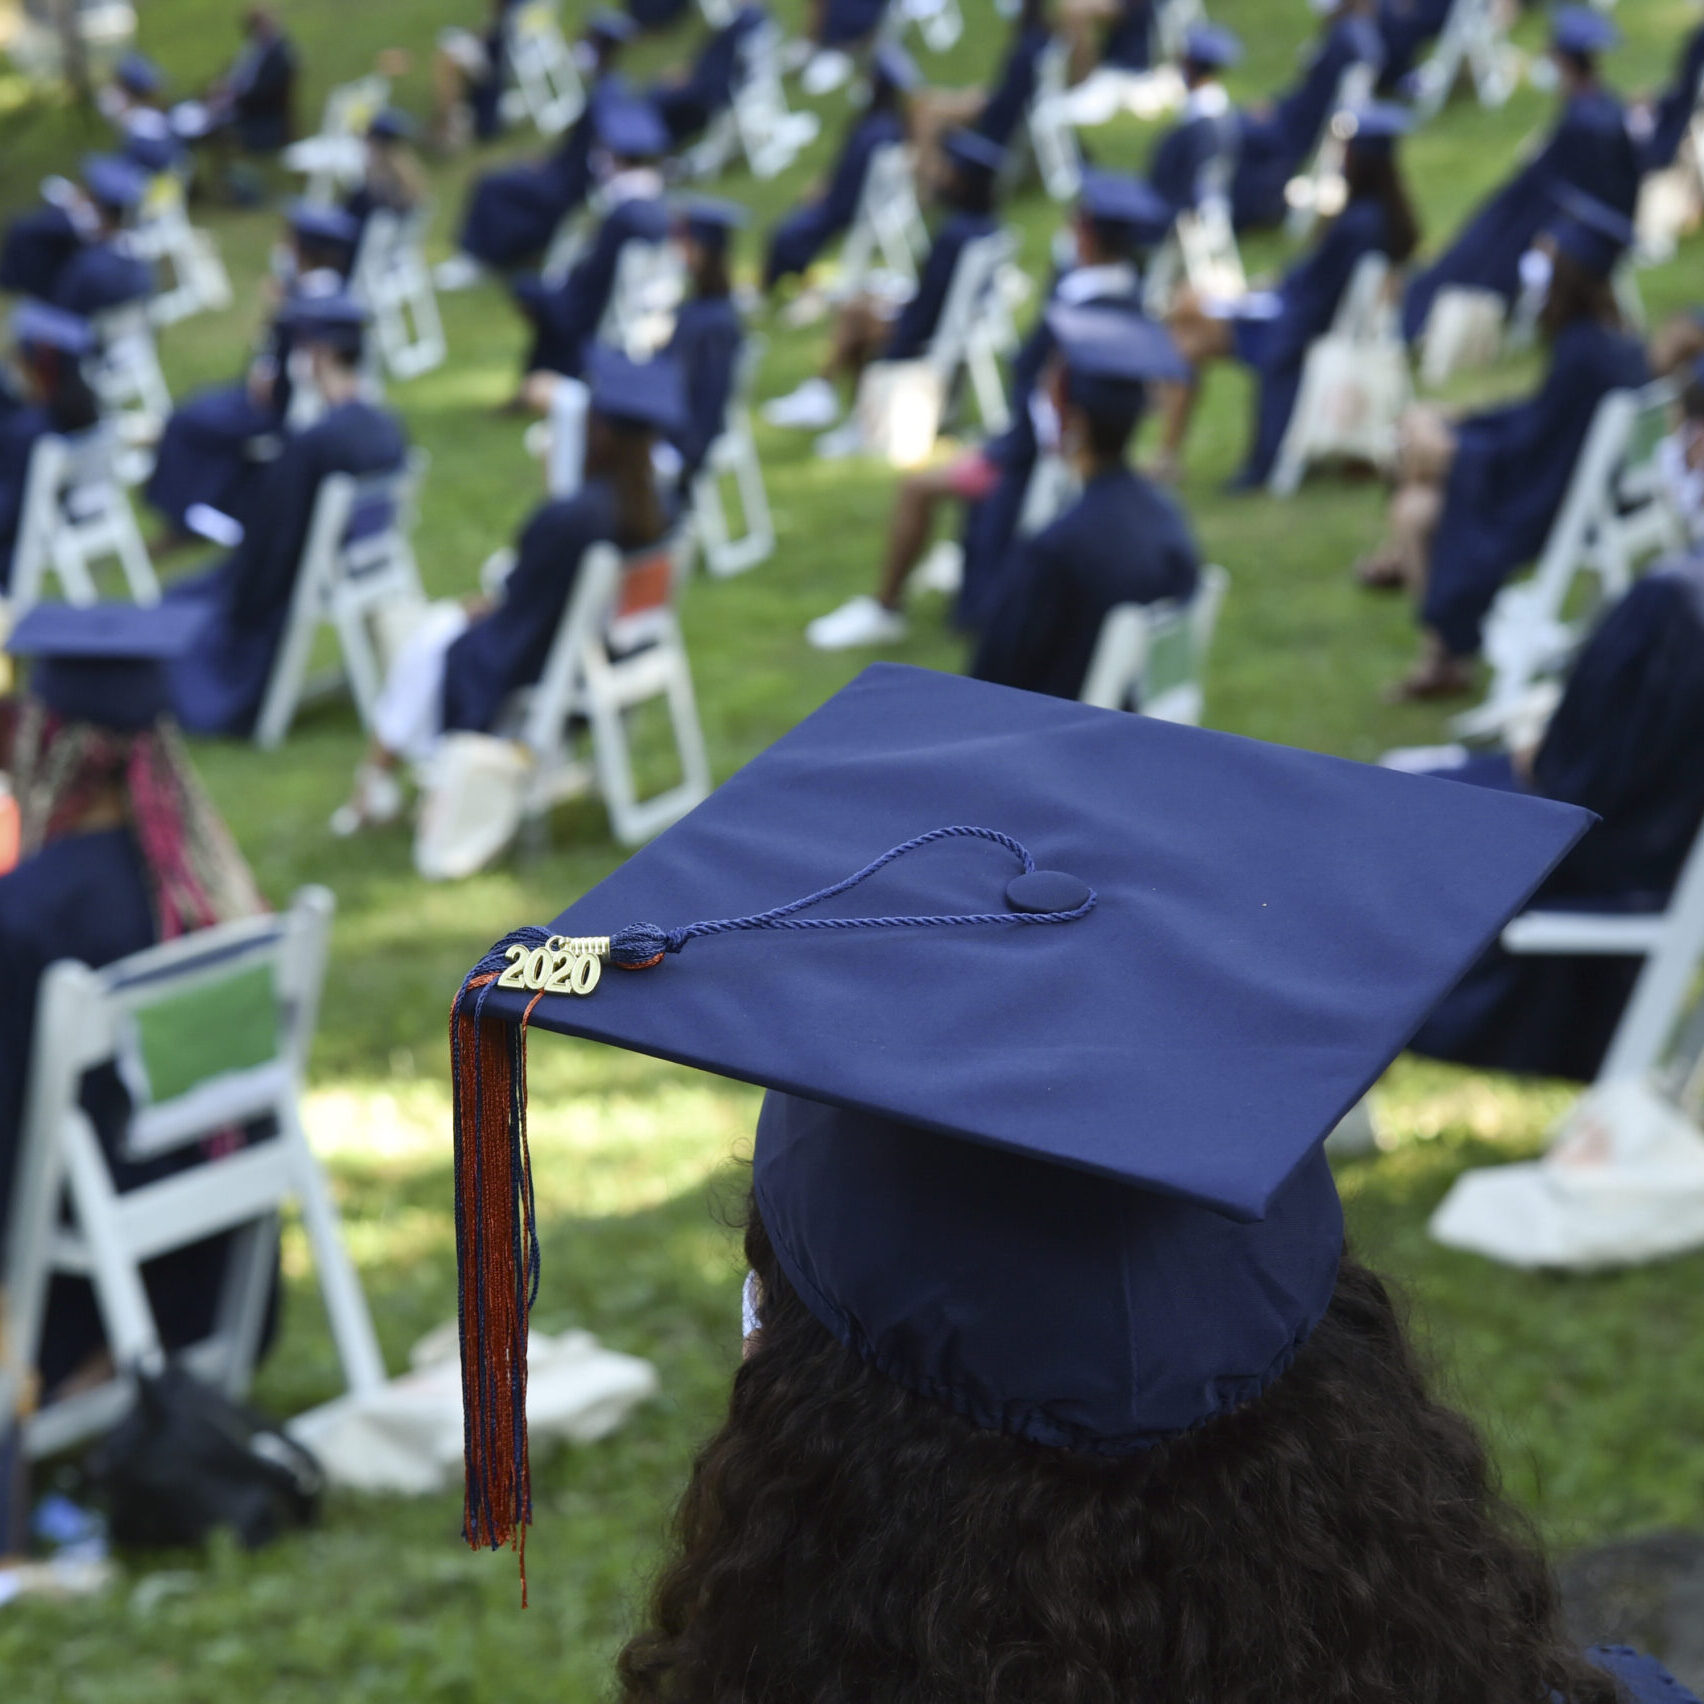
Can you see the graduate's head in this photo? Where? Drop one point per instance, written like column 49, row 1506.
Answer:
column 606, row 33
column 1209, row 51
column 893, row 75
column 975, row 163
column 390, row 131
column 1578, row 34
column 51, row 348
column 321, row 239
column 115, row 188
column 1372, row 171
column 330, row 327
column 1117, row 218
column 1584, row 242
column 139, row 81
column 1105, row 362
column 91, row 744
column 632, row 405
column 705, row 229
column 1061, row 1390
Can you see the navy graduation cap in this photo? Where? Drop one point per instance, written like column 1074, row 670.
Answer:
column 1583, row 30
column 1055, row 1006
column 138, row 75
column 971, row 150
column 39, row 325
column 392, row 124
column 1376, row 126
column 1588, row 231
column 641, row 393
column 710, row 221
column 114, row 181
column 891, row 64
column 1211, row 46
column 608, row 25
column 1114, row 198
column 626, row 123
column 103, row 663
column 319, row 223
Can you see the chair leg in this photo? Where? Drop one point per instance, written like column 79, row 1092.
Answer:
column 242, row 1304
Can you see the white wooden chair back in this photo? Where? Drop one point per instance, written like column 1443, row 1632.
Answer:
column 1153, row 657
column 548, row 88
column 734, row 456
column 1319, row 191
column 1052, row 138
column 208, row 1031
column 650, row 280
column 162, row 235
column 391, row 276
column 567, row 243
column 1473, row 40
column 356, row 573
column 618, row 646
column 76, row 515
column 1615, row 515
column 1201, row 249
column 887, row 235
column 126, row 375
column 975, row 326
column 334, row 159
column 1053, row 486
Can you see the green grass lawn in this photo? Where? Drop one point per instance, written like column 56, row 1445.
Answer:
column 1591, row 1388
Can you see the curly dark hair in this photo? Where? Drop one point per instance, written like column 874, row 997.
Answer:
column 1339, row 1541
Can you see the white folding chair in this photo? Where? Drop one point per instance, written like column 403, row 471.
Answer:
column 75, row 515
column 757, row 122
column 975, row 327
column 126, row 376
column 618, row 647
column 548, row 89
column 887, row 238
column 1355, row 384
column 209, row 1032
column 1319, row 192
column 1472, row 40
column 163, row 236
column 1153, row 657
column 391, row 276
column 1615, row 516
column 1052, row 137
column 357, row 573
column 335, row 158
column 734, row 456
column 650, row 280
column 1200, row 249
column 939, row 22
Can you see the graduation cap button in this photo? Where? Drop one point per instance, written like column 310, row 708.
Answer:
column 1047, row 890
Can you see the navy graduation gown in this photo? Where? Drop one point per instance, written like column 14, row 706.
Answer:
column 1310, row 293
column 1010, row 98
column 101, row 276
column 1129, row 41
column 218, row 686
column 37, row 248
column 1511, row 471
column 1643, row 1678
column 1675, row 107
column 262, row 89
column 506, row 649
column 1406, row 26
column 805, row 232
column 1590, row 149
column 85, row 896
column 707, row 338
column 565, row 319
column 513, row 213
column 919, row 317
column 657, row 14
column 1123, row 541
column 1183, row 156
column 687, row 107
column 1276, row 144
column 1624, row 742
column 847, row 22
column 20, row 429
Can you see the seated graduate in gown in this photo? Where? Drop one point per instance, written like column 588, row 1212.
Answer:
column 708, row 331
column 470, row 71
column 1590, row 148
column 1279, row 137
column 513, row 211
column 1407, row 28
column 690, row 99
column 829, row 208
column 71, row 251
column 1624, row 742
column 219, row 682
column 867, row 329
column 216, row 444
column 1197, row 156
column 565, row 316
column 50, row 394
column 391, row 178
column 1123, row 541
column 1475, row 500
column 1116, row 220
column 254, row 103
column 1270, row 331
column 1059, row 1381
column 465, row 661
column 1662, row 124
column 121, row 849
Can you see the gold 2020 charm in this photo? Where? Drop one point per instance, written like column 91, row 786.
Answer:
column 565, row 964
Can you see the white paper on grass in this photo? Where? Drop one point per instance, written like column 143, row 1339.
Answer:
column 407, row 1437
column 1622, row 1184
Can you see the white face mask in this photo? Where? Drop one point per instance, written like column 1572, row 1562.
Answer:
column 750, row 1323
column 1537, row 269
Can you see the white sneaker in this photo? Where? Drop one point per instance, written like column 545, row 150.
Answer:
column 862, row 621
column 825, row 72
column 377, row 800
column 847, row 439
column 942, row 570
column 459, row 272
column 810, row 408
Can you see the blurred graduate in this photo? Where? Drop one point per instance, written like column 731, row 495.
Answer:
column 1198, row 154
column 71, row 251
column 708, row 331
column 689, row 99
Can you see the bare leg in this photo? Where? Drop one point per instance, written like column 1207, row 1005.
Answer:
column 1201, row 340
column 859, row 333
column 914, row 506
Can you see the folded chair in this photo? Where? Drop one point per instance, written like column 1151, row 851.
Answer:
column 734, row 456
column 357, row 573
column 547, row 87
column 618, row 646
column 1052, row 137
column 210, row 1033
column 887, row 238
column 391, row 276
column 1472, row 40
column 76, row 515
column 1153, row 657
column 757, row 122
column 1615, row 517
column 163, row 236
column 134, row 396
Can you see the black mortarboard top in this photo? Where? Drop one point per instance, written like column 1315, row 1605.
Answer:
column 611, row 26
column 710, row 221
column 1116, row 198
column 971, row 150
column 642, row 393
column 38, row 325
column 138, row 75
column 891, row 64
column 1582, row 30
column 1377, row 125
column 1212, row 46
column 1590, row 232
column 322, row 224
column 626, row 123
column 392, row 124
column 1111, row 356
column 103, row 663
column 114, row 181
column 1046, row 1150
